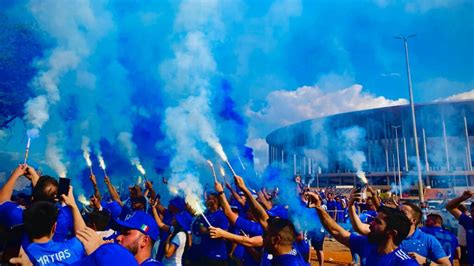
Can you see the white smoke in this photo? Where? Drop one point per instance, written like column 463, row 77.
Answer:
column 352, row 141
column 75, row 27
column 86, row 150
column 55, row 155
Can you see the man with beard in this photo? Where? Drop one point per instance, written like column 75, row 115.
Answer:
column 380, row 247
column 138, row 233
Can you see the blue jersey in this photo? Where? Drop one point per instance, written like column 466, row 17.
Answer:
column 369, row 255
column 291, row 259
column 55, row 253
column 151, row 262
column 448, row 241
column 215, row 248
column 250, row 228
column 12, row 214
column 424, row 244
column 109, row 254
column 468, row 224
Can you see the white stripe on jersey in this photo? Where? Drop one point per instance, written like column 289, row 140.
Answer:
column 402, row 255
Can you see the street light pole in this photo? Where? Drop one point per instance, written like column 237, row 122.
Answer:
column 398, row 161
column 412, row 105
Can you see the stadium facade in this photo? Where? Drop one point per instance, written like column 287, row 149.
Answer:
column 319, row 151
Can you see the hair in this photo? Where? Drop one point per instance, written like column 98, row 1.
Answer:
column 45, row 189
column 39, row 219
column 416, row 211
column 282, row 227
column 100, row 219
column 398, row 221
column 436, row 217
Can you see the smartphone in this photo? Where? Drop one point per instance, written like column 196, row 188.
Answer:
column 63, row 186
column 361, row 188
column 10, row 243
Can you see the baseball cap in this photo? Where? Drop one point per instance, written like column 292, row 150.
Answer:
column 113, row 207
column 141, row 221
column 278, row 211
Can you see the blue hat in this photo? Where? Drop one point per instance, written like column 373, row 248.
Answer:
column 184, row 219
column 179, row 203
column 108, row 254
column 114, row 208
column 278, row 211
column 142, row 222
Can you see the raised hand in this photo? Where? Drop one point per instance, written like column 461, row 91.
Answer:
column 69, row 199
column 313, row 199
column 467, row 194
column 218, row 187
column 216, row 232
column 20, row 170
column 239, row 181
column 93, row 180
column 89, row 239
column 107, row 180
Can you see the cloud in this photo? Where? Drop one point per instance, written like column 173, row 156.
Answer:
column 283, row 108
column 392, row 74
column 469, row 95
column 440, row 88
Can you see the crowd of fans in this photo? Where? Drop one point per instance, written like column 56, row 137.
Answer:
column 240, row 227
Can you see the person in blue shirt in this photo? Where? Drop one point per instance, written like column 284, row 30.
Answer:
column 424, row 248
column 40, row 221
column 449, row 242
column 216, row 253
column 243, row 227
column 138, row 233
column 279, row 240
column 464, row 220
column 45, row 188
column 381, row 245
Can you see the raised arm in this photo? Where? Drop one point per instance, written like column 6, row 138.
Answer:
column 256, row 241
column 149, row 187
column 356, row 223
column 96, row 188
column 231, row 216
column 257, row 209
column 266, row 203
column 113, row 193
column 375, row 196
column 69, row 200
column 453, row 204
column 157, row 217
column 7, row 189
column 339, row 233
column 235, row 195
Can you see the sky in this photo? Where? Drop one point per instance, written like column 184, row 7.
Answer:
column 169, row 84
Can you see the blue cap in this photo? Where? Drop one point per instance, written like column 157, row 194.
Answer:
column 179, row 203
column 114, row 208
column 108, row 254
column 142, row 222
column 278, row 211
column 185, row 220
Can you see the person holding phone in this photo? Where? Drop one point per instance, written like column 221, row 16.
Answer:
column 45, row 188
column 40, row 221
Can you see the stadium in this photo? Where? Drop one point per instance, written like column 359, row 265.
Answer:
column 320, row 151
